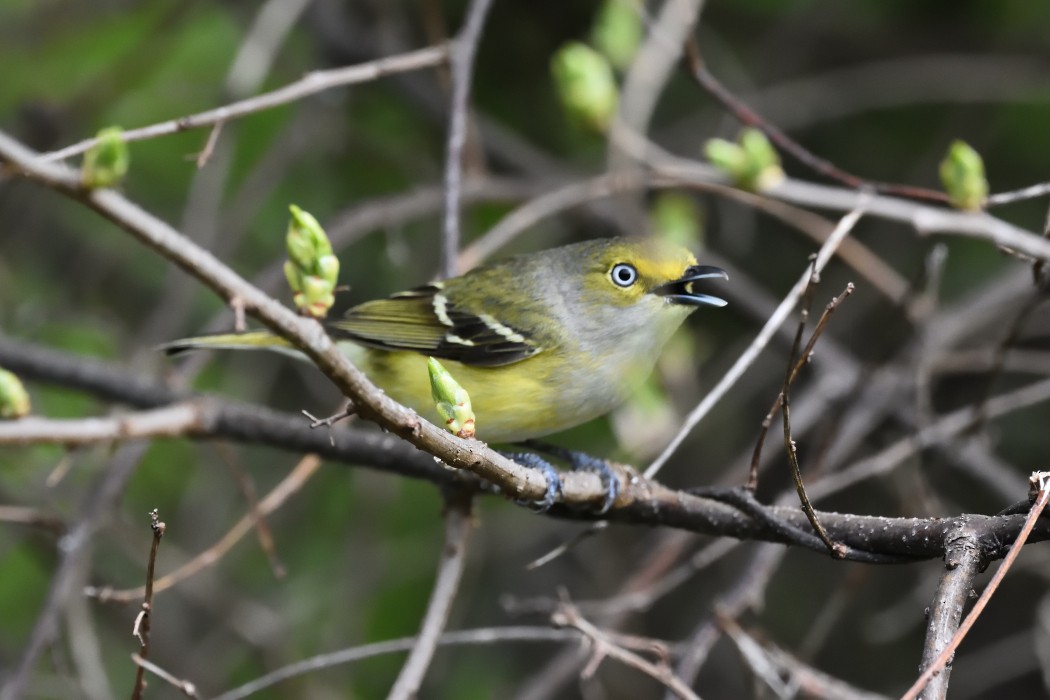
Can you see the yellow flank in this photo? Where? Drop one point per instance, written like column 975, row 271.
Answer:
column 507, row 408
column 510, row 405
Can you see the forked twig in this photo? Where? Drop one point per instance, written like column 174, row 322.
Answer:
column 801, row 361
column 1040, row 481
column 837, row 549
column 605, row 644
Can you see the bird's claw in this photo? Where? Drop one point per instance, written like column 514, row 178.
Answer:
column 534, row 461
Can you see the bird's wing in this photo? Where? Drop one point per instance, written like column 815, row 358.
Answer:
column 423, row 320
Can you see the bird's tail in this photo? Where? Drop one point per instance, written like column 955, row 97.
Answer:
column 252, row 340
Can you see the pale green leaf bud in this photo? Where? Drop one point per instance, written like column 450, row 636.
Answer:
column 962, row 173
column 617, row 31
column 300, row 251
column 106, row 163
column 451, row 399
column 763, row 160
column 305, row 222
column 752, row 162
column 316, row 298
column 726, row 156
column 14, row 400
column 292, row 274
column 328, row 269
column 586, row 84
column 675, row 216
column 312, row 270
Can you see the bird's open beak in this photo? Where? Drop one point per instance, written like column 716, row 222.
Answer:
column 683, row 290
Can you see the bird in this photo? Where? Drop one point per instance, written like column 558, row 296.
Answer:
column 541, row 341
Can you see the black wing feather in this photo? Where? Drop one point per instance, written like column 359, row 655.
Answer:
column 410, row 321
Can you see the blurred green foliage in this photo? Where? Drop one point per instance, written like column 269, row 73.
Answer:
column 360, row 548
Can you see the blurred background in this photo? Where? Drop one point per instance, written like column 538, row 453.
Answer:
column 880, row 88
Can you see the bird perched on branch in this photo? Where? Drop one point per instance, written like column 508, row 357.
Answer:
column 541, row 342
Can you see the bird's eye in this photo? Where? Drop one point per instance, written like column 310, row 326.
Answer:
column 623, row 275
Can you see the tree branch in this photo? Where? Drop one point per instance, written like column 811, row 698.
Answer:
column 317, row 81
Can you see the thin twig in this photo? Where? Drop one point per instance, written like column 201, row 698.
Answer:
column 311, row 83
column 187, row 688
column 752, row 352
column 1004, row 346
column 458, row 524
column 143, row 620
column 801, row 361
column 706, row 80
column 202, row 158
column 651, row 68
column 943, row 430
column 315, row 422
column 462, row 61
column 567, row 546
column 100, row 503
column 255, row 513
column 288, row 487
column 1039, row 266
column 784, row 673
column 486, row 636
column 605, row 644
column 1040, row 481
column 34, row 517
column 837, row 549
column 744, row 592
column 1030, row 192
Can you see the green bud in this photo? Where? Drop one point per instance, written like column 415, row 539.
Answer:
column 725, row 155
column 328, row 269
column 306, row 239
column 316, row 297
column 305, row 222
column 617, row 31
column 451, row 399
column 962, row 173
column 14, row 400
column 762, row 157
column 752, row 162
column 106, row 163
column 586, row 84
column 675, row 216
column 300, row 251
column 312, row 270
column 292, row 274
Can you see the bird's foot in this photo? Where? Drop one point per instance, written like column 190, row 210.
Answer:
column 581, row 461
column 534, row 461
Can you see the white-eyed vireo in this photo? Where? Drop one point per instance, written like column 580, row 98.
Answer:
column 541, row 342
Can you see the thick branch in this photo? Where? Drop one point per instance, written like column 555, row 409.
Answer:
column 962, row 562
column 643, row 502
